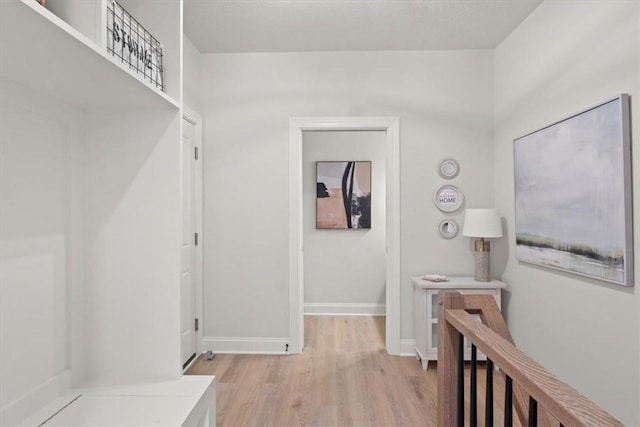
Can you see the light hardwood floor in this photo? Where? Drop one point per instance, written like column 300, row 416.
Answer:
column 343, row 377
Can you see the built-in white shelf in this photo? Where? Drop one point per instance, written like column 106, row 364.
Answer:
column 48, row 55
column 108, row 155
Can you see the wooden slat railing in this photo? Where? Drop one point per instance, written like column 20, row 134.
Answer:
column 534, row 387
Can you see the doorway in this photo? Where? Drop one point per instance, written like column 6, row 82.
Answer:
column 344, row 261
column 191, row 237
column 391, row 127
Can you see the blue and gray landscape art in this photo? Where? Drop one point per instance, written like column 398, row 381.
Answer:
column 570, row 195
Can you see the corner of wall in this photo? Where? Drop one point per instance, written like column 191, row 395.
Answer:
column 191, row 75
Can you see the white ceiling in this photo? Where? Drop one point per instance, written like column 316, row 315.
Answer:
column 350, row 25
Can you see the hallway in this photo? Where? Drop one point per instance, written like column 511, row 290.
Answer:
column 343, row 377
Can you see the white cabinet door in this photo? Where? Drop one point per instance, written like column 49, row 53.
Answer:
column 187, row 250
column 420, row 324
column 426, row 310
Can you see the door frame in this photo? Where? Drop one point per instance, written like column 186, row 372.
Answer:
column 196, row 119
column 391, row 125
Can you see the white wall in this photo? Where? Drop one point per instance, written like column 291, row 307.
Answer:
column 565, row 57
column 192, row 75
column 132, row 236
column 344, row 270
column 444, row 101
column 40, row 246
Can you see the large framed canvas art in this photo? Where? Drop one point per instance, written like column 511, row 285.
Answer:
column 573, row 194
column 343, row 199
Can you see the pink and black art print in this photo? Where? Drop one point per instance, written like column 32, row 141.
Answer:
column 343, row 195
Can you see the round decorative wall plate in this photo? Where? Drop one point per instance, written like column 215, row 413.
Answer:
column 448, row 228
column 448, row 198
column 448, row 168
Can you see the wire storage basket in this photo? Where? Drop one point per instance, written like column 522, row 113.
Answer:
column 130, row 42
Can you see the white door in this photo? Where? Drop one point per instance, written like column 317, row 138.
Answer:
column 188, row 247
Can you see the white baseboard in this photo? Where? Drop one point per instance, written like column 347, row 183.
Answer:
column 407, row 348
column 230, row 345
column 345, row 309
column 35, row 399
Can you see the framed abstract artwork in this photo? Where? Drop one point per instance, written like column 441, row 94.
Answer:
column 343, row 195
column 573, row 193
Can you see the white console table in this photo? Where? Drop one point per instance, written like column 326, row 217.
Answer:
column 425, row 309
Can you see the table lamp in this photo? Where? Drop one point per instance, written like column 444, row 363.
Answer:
column 482, row 224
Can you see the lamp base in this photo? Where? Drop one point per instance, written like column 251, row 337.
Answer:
column 482, row 264
column 482, row 245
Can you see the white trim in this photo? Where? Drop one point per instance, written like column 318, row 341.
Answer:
column 231, row 345
column 408, row 348
column 296, row 277
column 196, row 119
column 344, row 309
column 35, row 399
column 391, row 125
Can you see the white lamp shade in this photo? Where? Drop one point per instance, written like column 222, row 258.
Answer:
column 482, row 223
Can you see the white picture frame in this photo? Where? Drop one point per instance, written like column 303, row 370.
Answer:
column 448, row 168
column 572, row 182
column 448, row 198
column 448, row 228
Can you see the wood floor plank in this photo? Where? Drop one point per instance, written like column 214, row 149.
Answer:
column 344, row 377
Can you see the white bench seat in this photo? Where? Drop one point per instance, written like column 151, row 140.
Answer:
column 188, row 402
